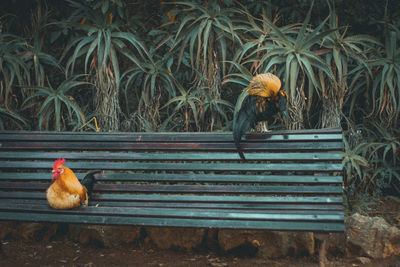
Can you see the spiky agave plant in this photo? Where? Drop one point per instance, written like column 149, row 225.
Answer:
column 385, row 93
column 15, row 118
column 40, row 63
column 13, row 69
column 57, row 106
column 185, row 109
column 354, row 164
column 100, row 42
column 153, row 83
column 207, row 32
column 347, row 56
column 294, row 54
column 382, row 151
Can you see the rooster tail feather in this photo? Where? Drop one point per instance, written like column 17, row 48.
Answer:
column 243, row 121
column 89, row 180
column 242, row 125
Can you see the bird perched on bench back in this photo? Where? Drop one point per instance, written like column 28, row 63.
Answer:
column 261, row 100
column 65, row 191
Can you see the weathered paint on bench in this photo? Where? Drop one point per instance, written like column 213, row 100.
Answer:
column 290, row 181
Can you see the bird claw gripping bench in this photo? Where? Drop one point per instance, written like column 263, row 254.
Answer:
column 292, row 180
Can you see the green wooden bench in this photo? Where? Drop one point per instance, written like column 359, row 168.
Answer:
column 292, row 180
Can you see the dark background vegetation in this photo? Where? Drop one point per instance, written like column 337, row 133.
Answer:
column 180, row 66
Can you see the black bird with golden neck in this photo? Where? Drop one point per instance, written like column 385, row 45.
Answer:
column 263, row 99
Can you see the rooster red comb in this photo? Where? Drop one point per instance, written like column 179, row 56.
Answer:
column 58, row 162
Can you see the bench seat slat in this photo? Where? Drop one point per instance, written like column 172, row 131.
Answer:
column 207, row 223
column 188, row 205
column 233, row 206
column 198, row 138
column 187, row 177
column 311, row 215
column 326, row 200
column 315, row 134
column 189, row 189
column 173, row 134
column 186, row 156
column 158, row 146
column 225, row 189
column 158, row 166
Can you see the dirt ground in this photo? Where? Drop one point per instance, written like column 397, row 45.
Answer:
column 68, row 253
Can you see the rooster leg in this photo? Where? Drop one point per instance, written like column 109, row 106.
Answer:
column 265, row 126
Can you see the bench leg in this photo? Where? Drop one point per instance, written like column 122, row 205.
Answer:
column 2, row 256
column 322, row 254
column 322, row 249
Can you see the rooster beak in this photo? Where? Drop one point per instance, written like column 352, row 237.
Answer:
column 55, row 175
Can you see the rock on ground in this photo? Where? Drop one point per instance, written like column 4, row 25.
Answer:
column 176, row 238
column 269, row 244
column 104, row 235
column 28, row 230
column 372, row 237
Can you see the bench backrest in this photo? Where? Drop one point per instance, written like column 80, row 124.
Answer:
column 293, row 177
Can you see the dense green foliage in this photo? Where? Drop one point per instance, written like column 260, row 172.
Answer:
column 180, row 66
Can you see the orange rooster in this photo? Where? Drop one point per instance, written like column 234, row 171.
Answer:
column 65, row 191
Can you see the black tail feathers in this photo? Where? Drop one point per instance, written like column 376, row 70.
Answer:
column 242, row 123
column 241, row 126
column 89, row 180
